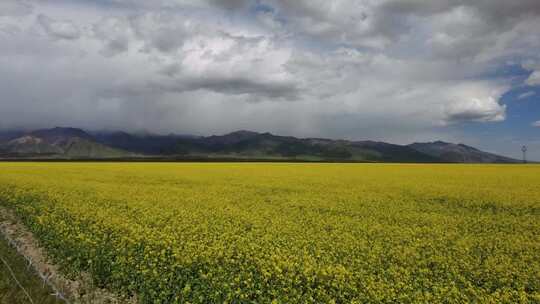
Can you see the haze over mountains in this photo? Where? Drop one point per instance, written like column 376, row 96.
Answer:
column 72, row 143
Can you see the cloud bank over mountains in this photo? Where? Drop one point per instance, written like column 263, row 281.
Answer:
column 398, row 70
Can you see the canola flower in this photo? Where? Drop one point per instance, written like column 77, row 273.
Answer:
column 288, row 233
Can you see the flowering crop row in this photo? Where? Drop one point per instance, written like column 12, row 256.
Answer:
column 288, row 233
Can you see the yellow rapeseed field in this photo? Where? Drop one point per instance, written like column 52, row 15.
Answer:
column 288, row 233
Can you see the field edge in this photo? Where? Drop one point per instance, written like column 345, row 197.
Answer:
column 80, row 290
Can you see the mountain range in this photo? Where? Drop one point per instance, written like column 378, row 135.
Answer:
column 73, row 143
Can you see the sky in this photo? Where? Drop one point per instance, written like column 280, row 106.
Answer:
column 399, row 71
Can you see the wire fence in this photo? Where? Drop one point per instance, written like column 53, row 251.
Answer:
column 45, row 278
column 16, row 280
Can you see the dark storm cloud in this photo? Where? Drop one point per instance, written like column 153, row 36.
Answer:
column 63, row 29
column 235, row 86
column 115, row 35
column 15, row 8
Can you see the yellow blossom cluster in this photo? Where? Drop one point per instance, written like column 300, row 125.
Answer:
column 288, row 233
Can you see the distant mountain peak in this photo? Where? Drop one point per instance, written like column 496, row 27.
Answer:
column 440, row 142
column 70, row 142
column 60, row 132
column 242, row 133
column 459, row 153
column 232, row 138
column 58, row 142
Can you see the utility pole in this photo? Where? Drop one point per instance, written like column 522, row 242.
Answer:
column 524, row 150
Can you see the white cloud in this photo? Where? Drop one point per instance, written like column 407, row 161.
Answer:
column 536, row 124
column 475, row 102
column 532, row 65
column 358, row 69
column 534, row 78
column 526, row 95
column 475, row 109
